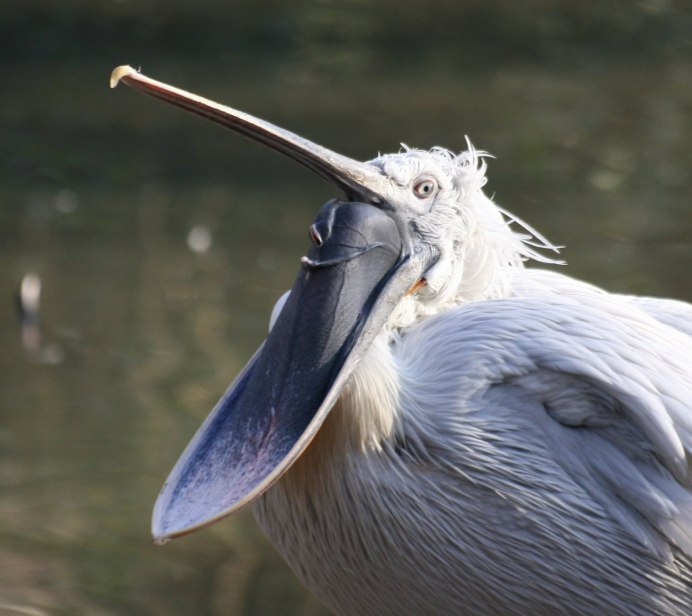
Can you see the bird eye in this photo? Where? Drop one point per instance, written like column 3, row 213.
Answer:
column 425, row 188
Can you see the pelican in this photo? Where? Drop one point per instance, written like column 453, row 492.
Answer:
column 432, row 428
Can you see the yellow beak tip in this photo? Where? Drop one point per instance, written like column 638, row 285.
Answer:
column 119, row 72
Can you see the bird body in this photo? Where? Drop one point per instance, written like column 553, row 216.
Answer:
column 510, row 476
column 432, row 428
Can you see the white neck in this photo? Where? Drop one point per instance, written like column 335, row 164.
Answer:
column 368, row 406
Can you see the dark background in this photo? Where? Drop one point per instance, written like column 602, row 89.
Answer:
column 162, row 242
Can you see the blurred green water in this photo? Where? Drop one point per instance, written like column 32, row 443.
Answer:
column 587, row 106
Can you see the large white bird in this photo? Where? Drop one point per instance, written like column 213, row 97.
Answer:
column 431, row 428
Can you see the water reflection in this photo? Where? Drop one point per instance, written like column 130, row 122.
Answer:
column 161, row 243
column 29, row 307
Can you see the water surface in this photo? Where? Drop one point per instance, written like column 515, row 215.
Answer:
column 162, row 243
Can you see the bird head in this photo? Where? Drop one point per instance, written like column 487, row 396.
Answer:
column 440, row 195
column 413, row 235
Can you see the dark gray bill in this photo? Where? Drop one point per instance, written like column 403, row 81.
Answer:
column 344, row 292
column 357, row 271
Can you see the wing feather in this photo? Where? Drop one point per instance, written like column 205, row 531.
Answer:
column 616, row 381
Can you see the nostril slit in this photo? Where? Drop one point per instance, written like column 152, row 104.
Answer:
column 315, row 236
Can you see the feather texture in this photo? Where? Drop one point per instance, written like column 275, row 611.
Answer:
column 514, row 442
column 538, row 463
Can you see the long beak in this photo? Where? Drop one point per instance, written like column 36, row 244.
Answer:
column 358, row 180
column 360, row 265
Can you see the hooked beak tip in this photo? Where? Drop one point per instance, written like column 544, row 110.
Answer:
column 119, row 72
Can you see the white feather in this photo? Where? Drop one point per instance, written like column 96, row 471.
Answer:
column 515, row 442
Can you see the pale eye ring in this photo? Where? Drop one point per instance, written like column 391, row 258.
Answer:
column 425, row 188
